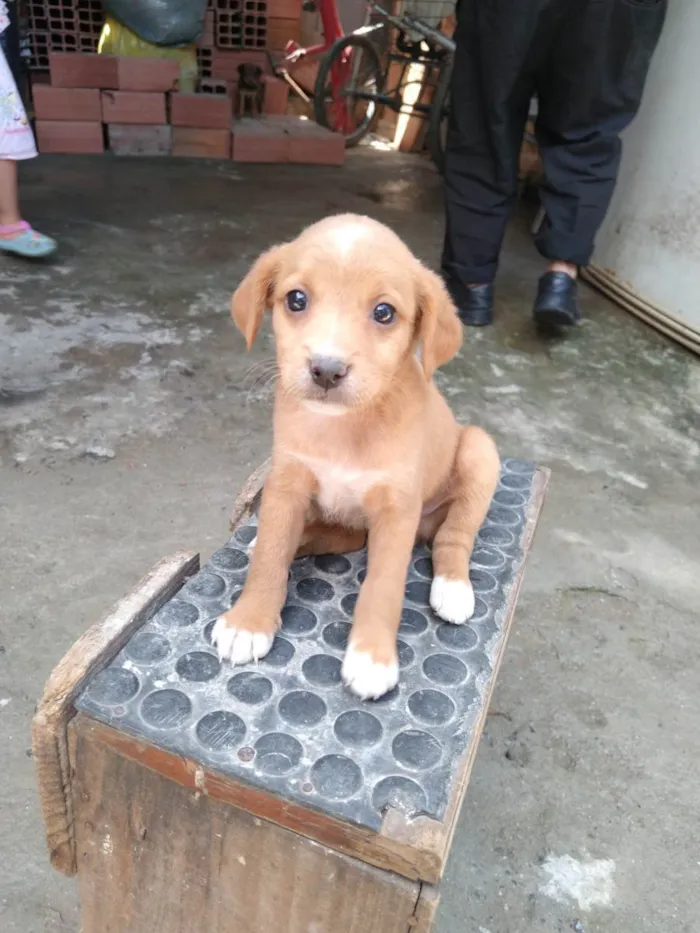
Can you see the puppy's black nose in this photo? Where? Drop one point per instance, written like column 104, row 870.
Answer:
column 327, row 371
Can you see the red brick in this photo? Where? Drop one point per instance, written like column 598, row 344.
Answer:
column 225, row 62
column 206, row 40
column 73, row 69
column 284, row 9
column 130, row 140
column 275, row 95
column 311, row 144
column 260, row 141
column 140, row 107
column 67, row 103
column 282, row 31
column 202, row 111
column 201, row 143
column 65, row 136
column 147, row 74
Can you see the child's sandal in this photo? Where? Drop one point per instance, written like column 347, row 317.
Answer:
column 28, row 242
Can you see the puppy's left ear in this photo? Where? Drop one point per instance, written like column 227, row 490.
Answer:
column 254, row 295
column 439, row 328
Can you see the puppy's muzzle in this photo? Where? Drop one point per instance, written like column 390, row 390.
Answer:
column 327, row 372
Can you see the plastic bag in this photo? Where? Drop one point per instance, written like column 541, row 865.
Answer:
column 161, row 22
column 118, row 40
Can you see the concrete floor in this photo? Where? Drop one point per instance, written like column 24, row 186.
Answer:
column 129, row 416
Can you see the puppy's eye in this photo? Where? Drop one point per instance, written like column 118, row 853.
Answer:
column 384, row 314
column 297, row 301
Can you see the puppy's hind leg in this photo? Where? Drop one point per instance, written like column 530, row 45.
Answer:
column 476, row 472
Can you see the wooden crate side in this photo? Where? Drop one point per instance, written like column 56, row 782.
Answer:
column 155, row 855
column 92, row 651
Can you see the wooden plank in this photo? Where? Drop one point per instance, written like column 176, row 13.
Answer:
column 91, row 652
column 248, row 498
column 155, row 856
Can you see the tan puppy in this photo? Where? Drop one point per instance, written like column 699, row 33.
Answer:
column 365, row 447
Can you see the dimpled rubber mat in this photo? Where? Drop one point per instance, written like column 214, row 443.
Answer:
column 287, row 723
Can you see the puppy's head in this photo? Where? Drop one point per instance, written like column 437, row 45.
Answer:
column 350, row 304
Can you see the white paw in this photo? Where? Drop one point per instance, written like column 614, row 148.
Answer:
column 452, row 600
column 239, row 647
column 367, row 679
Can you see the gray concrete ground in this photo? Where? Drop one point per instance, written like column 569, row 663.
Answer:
column 129, row 416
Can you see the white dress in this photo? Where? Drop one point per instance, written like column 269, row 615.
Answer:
column 16, row 137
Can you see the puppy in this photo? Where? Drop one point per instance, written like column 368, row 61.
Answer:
column 365, row 448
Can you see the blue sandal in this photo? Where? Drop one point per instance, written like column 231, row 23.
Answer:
column 28, row 243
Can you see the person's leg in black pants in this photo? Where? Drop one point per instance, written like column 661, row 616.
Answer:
column 492, row 84
column 588, row 62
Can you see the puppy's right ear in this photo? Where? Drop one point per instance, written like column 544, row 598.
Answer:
column 254, row 294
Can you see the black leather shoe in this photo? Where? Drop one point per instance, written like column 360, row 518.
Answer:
column 474, row 303
column 556, row 304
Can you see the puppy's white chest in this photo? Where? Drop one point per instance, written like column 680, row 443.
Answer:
column 342, row 489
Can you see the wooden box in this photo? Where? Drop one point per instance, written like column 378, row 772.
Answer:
column 162, row 839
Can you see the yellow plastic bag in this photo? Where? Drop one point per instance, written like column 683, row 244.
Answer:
column 118, row 40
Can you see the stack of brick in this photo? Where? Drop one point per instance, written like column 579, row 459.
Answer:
column 132, row 107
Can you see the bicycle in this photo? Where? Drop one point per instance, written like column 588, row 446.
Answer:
column 351, row 84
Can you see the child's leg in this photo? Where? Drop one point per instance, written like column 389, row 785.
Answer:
column 9, row 201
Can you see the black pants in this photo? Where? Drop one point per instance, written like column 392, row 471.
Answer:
column 587, row 61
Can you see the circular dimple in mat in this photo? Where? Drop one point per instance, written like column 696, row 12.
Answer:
column 399, row 793
column 457, row 637
column 302, row 708
column 166, row 709
column 321, row 670
column 516, row 481
column 406, row 654
column 445, row 670
column 297, row 620
column 280, row 654
column 497, row 535
column 221, row 730
column 347, row 603
column 246, row 534
column 488, row 557
column 358, row 728
column 482, row 581
column 230, row 559
column 412, row 623
column 336, row 777
column 501, row 515
column 510, row 498
column 336, row 635
column 277, row 753
column 178, row 614
column 198, row 666
column 418, row 592
column 250, row 688
column 114, row 686
column 148, row 648
column 424, row 567
column 431, row 707
column 315, row 590
column 207, row 585
column 332, row 564
column 416, row 750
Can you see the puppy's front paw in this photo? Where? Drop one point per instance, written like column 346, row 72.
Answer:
column 239, row 642
column 452, row 600
column 367, row 678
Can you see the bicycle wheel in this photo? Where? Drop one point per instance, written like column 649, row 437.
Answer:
column 439, row 116
column 349, row 79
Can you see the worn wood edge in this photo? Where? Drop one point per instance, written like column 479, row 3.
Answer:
column 350, row 839
column 95, row 648
column 425, row 909
column 248, row 498
column 434, row 837
column 670, row 325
